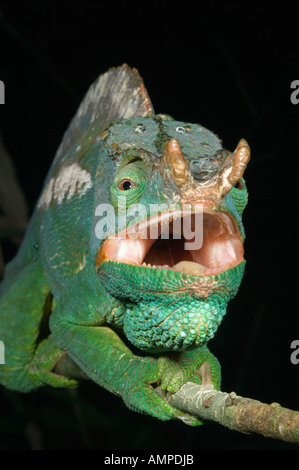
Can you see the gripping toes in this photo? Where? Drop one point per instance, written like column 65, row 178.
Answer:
column 142, row 395
column 198, row 366
column 145, row 399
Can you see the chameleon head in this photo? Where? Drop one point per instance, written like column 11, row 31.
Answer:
column 176, row 263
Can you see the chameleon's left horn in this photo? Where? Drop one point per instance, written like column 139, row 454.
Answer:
column 234, row 167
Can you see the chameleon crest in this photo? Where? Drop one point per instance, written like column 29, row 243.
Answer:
column 132, row 254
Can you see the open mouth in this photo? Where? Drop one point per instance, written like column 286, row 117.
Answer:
column 199, row 244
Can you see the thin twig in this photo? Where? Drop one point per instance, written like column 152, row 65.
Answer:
column 237, row 413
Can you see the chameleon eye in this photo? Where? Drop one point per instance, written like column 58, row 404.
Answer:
column 126, row 184
column 239, row 185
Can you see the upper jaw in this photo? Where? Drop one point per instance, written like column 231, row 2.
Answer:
column 213, row 243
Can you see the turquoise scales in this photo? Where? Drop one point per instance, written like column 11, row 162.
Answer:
column 168, row 300
column 167, row 322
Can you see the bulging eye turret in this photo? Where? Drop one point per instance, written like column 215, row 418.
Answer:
column 240, row 195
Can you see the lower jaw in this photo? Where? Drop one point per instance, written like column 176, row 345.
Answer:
column 173, row 323
column 138, row 283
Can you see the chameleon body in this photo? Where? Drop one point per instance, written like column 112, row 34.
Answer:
column 90, row 292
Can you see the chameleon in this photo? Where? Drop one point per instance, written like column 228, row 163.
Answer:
column 92, row 293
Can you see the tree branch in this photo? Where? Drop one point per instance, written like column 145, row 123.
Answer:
column 228, row 409
column 237, row 413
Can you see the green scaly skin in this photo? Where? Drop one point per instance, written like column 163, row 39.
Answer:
column 100, row 316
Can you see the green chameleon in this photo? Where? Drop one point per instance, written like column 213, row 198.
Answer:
column 92, row 293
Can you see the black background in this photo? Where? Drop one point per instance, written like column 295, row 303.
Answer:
column 227, row 67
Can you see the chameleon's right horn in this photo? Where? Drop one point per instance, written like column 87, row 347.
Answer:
column 233, row 167
column 174, row 164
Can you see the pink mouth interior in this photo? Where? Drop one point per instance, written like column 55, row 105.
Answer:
column 221, row 248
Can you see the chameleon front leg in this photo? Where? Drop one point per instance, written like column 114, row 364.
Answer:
column 103, row 357
column 29, row 362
